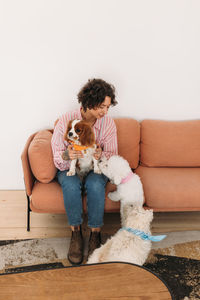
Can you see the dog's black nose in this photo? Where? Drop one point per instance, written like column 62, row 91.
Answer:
column 70, row 134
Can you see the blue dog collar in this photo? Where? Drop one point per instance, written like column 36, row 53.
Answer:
column 143, row 235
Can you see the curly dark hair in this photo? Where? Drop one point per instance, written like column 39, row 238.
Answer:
column 93, row 94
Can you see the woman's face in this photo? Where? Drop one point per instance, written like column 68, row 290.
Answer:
column 101, row 110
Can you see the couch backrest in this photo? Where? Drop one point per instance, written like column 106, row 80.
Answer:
column 170, row 143
column 128, row 135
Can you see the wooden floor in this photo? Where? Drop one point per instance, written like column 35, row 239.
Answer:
column 13, row 205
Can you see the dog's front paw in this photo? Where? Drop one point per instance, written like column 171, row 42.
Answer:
column 112, row 197
column 70, row 173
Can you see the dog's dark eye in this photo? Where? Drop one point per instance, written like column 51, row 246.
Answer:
column 78, row 130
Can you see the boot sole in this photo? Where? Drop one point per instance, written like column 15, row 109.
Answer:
column 75, row 263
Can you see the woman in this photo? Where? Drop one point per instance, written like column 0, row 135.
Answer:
column 95, row 98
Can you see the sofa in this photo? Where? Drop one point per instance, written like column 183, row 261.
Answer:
column 165, row 154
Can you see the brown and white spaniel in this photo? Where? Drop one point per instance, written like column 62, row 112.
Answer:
column 81, row 135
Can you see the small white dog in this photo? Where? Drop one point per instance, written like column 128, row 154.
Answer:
column 130, row 243
column 129, row 186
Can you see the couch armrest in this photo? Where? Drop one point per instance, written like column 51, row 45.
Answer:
column 29, row 178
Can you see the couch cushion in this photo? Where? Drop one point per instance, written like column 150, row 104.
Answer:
column 48, row 198
column 41, row 157
column 171, row 189
column 170, row 143
column 128, row 135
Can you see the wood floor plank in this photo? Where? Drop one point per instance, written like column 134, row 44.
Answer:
column 13, row 205
column 22, row 233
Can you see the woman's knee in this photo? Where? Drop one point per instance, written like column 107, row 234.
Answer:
column 95, row 182
column 69, row 182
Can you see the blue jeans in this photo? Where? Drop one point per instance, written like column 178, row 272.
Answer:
column 72, row 188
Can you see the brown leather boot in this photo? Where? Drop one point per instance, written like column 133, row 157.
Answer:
column 94, row 241
column 75, row 254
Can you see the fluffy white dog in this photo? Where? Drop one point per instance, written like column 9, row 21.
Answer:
column 131, row 242
column 129, row 186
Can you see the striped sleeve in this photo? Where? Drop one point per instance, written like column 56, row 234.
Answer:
column 109, row 136
column 58, row 145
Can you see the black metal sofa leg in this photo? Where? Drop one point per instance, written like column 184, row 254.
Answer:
column 28, row 213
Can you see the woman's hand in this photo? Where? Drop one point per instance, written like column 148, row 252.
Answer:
column 98, row 152
column 74, row 154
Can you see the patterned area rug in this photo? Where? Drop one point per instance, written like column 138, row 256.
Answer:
column 181, row 274
column 178, row 265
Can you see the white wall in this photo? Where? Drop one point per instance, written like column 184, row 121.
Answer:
column 149, row 49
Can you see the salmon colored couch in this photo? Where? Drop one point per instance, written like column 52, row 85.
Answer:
column 165, row 154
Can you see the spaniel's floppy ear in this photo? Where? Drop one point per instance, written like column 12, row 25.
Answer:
column 86, row 136
column 69, row 127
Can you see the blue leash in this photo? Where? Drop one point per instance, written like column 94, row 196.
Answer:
column 143, row 235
